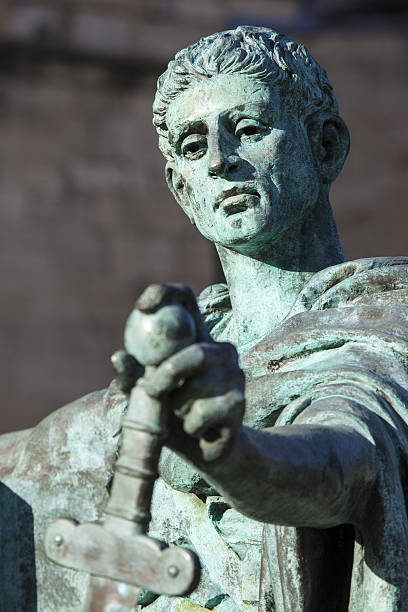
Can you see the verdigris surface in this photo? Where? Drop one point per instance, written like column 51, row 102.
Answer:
column 314, row 481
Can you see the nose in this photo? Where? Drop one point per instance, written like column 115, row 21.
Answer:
column 222, row 160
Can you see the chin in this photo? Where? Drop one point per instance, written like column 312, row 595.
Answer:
column 231, row 239
column 248, row 243
column 241, row 233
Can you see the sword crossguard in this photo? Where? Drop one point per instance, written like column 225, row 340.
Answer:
column 138, row 559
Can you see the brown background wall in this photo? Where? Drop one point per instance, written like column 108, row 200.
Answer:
column 85, row 217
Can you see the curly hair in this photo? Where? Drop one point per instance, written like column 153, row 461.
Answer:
column 262, row 54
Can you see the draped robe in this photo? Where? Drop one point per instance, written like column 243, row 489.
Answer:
column 340, row 358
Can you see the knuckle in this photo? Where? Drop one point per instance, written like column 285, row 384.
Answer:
column 189, row 427
column 169, row 369
column 200, row 350
column 196, row 418
column 197, row 355
column 200, row 411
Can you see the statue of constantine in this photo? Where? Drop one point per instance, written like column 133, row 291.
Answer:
column 286, row 465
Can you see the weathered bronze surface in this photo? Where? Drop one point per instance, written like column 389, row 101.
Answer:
column 118, row 549
column 315, row 349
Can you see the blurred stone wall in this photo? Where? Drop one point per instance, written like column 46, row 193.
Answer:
column 86, row 221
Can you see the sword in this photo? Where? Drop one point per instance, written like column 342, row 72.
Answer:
column 117, row 553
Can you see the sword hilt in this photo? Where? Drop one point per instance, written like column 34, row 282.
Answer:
column 118, row 548
column 151, row 338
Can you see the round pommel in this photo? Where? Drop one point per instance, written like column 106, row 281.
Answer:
column 152, row 337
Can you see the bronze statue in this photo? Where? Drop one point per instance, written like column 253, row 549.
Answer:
column 313, row 347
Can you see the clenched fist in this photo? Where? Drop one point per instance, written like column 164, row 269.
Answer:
column 201, row 383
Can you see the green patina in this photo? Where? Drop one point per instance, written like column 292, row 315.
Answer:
column 250, row 128
column 313, row 481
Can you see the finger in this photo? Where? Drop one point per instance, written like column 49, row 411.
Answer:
column 127, row 369
column 178, row 441
column 192, row 360
column 157, row 295
column 208, row 415
column 216, row 422
column 211, row 383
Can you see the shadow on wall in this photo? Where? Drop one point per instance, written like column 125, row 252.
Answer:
column 18, row 587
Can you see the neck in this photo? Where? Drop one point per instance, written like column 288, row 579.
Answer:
column 263, row 286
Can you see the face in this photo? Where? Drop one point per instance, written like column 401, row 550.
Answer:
column 244, row 169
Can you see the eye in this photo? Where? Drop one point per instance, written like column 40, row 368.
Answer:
column 247, row 128
column 194, row 146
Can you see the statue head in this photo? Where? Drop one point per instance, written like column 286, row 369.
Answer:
column 250, row 128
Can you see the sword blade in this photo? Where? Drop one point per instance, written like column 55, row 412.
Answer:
column 105, row 595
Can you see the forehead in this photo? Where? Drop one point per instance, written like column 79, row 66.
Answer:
column 219, row 94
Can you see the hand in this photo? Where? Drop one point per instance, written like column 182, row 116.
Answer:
column 127, row 370
column 202, row 383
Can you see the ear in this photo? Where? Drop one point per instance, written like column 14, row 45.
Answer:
column 330, row 141
column 178, row 188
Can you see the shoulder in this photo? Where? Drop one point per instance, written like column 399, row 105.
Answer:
column 77, row 436
column 369, row 281
column 10, row 449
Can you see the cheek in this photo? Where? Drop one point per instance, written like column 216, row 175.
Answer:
column 191, row 172
column 187, row 175
column 299, row 149
column 267, row 153
column 195, row 179
column 197, row 205
column 264, row 156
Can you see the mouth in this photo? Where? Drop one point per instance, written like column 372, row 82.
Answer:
column 236, row 200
